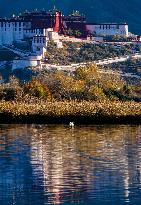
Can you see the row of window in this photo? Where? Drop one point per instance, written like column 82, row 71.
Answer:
column 39, row 40
column 15, row 29
column 108, row 27
column 39, row 31
column 16, row 24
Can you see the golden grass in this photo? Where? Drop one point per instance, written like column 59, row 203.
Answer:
column 71, row 108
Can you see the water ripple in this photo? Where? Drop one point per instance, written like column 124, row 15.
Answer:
column 51, row 164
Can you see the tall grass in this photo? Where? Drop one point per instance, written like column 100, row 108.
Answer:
column 71, row 108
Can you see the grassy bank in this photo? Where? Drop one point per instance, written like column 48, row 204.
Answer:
column 64, row 112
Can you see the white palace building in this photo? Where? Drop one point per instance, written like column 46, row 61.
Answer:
column 11, row 31
column 39, row 27
column 30, row 24
column 16, row 31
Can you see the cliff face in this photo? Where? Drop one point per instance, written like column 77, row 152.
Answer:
column 96, row 10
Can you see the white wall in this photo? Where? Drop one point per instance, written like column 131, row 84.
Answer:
column 11, row 31
column 108, row 29
column 39, row 44
column 53, row 36
column 6, row 33
column 18, row 31
column 29, row 33
column 24, row 63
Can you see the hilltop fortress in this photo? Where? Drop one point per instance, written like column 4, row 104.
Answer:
column 30, row 24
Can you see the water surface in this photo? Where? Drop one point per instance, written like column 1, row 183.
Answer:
column 53, row 164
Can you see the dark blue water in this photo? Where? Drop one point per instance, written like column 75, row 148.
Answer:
column 53, row 164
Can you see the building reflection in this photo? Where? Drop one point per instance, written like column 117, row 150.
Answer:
column 16, row 182
column 47, row 164
column 64, row 175
column 94, row 161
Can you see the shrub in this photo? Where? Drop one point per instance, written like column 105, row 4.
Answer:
column 127, row 89
column 37, row 89
column 87, row 72
column 96, row 93
column 112, row 94
column 8, row 94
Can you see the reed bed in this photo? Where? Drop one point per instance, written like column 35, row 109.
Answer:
column 75, row 109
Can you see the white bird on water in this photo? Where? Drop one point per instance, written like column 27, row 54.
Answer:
column 71, row 124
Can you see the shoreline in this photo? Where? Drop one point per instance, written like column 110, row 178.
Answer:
column 44, row 119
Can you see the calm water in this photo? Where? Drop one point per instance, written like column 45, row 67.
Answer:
column 53, row 164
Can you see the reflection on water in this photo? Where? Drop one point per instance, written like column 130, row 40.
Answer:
column 53, row 164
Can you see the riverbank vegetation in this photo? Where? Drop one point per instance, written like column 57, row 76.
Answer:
column 84, row 111
column 85, row 93
column 86, row 83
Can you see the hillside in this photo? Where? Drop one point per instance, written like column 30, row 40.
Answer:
column 97, row 11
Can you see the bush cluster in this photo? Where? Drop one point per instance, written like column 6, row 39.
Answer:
column 84, row 84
